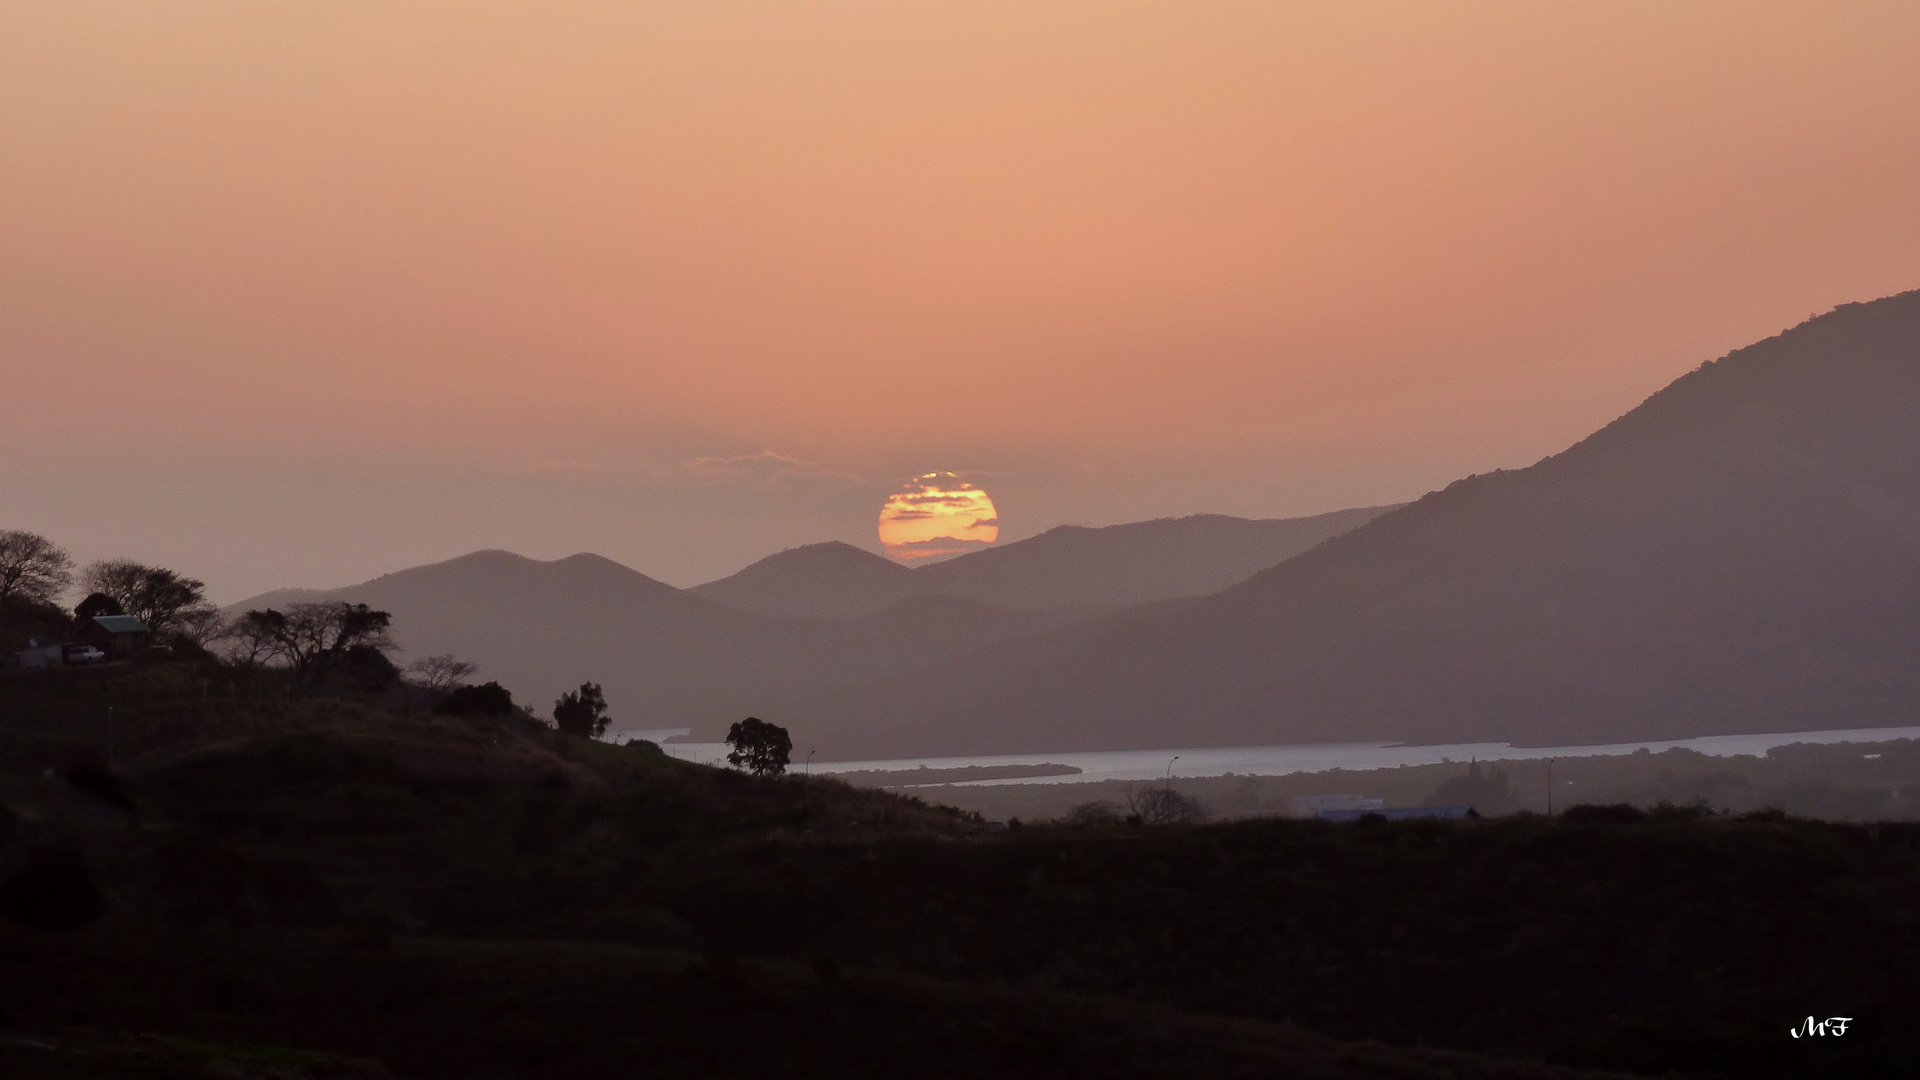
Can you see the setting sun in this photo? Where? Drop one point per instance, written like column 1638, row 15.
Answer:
column 937, row 515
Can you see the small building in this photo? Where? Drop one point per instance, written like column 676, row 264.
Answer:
column 1401, row 813
column 119, row 636
column 1314, row 805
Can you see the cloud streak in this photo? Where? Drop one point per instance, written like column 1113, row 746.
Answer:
column 937, row 515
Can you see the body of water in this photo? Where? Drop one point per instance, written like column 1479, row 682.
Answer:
column 1278, row 760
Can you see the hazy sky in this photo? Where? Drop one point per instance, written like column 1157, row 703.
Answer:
column 296, row 294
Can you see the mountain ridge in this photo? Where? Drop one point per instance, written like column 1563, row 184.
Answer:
column 1739, row 553
column 670, row 657
column 1066, row 566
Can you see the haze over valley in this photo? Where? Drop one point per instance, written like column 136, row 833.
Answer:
column 1738, row 554
column 802, row 622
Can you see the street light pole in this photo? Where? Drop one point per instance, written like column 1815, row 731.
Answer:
column 1170, row 762
column 807, row 768
column 1549, row 787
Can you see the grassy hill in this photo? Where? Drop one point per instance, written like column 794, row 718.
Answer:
column 457, row 897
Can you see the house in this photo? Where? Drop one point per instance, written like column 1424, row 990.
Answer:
column 119, row 636
column 1401, row 813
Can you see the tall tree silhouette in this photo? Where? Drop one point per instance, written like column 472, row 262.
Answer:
column 759, row 747
column 582, row 712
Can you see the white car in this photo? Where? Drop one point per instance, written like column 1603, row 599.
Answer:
column 86, row 654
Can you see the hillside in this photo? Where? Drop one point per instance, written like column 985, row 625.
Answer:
column 1069, row 566
column 811, row 621
column 834, row 580
column 665, row 657
column 273, row 886
column 1740, row 553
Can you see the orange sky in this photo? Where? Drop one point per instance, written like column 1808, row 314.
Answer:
column 298, row 293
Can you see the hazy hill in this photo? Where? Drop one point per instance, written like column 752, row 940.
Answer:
column 829, row 581
column 1063, row 567
column 806, row 622
column 1740, row 553
column 666, row 658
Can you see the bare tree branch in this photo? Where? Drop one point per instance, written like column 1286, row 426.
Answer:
column 31, row 566
column 442, row 672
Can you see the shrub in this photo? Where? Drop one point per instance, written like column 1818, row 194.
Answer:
column 1589, row 814
column 487, row 699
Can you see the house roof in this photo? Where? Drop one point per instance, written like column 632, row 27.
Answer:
column 120, row 624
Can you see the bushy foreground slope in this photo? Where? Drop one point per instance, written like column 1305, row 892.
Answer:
column 453, row 897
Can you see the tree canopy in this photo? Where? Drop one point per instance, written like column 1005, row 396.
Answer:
column 32, row 567
column 441, row 672
column 759, row 747
column 487, row 699
column 582, row 712
column 314, row 639
column 153, row 594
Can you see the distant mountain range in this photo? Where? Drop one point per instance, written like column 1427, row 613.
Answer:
column 665, row 657
column 817, row 619
column 1741, row 553
column 1069, row 566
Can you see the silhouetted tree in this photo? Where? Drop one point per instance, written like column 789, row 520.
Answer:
column 248, row 642
column 442, row 672
column 1162, row 806
column 201, row 626
column 582, row 712
column 313, row 638
column 153, row 594
column 1092, row 814
column 759, row 747
column 98, row 603
column 487, row 699
column 364, row 668
column 32, row 567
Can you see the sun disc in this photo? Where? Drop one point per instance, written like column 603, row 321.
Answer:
column 935, row 516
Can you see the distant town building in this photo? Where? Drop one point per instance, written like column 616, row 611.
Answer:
column 1312, row 805
column 1400, row 813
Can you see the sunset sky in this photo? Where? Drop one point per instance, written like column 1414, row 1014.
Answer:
column 298, row 294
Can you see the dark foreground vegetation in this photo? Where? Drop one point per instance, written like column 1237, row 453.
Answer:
column 265, row 884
